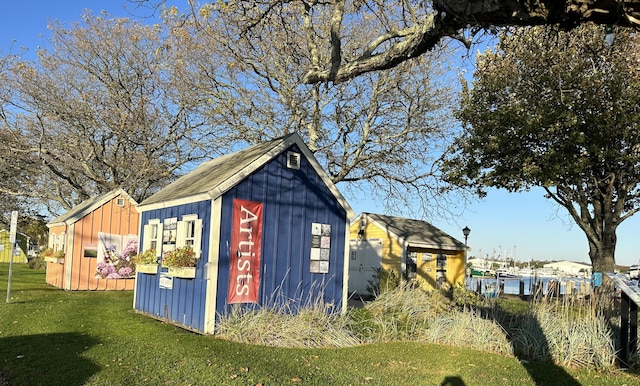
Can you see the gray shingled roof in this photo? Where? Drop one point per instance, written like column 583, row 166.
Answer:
column 213, row 178
column 416, row 233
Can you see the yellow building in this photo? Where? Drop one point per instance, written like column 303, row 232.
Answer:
column 414, row 249
column 20, row 252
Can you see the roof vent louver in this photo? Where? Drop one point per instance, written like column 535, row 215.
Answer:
column 293, row 160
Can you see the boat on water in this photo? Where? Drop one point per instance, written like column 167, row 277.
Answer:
column 547, row 273
column 527, row 272
column 505, row 273
column 481, row 272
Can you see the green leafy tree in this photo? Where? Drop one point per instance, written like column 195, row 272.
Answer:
column 559, row 110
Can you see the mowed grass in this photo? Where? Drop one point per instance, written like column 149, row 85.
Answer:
column 52, row 337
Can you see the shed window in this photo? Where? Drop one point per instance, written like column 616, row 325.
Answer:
column 56, row 242
column 441, row 261
column 190, row 233
column 52, row 240
column 153, row 236
column 90, row 250
column 61, row 241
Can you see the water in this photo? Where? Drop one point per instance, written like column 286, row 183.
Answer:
column 511, row 286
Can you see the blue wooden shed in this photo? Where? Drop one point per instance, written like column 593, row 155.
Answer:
column 267, row 226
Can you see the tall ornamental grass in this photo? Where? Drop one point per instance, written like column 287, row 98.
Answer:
column 466, row 329
column 276, row 326
column 572, row 335
column 396, row 314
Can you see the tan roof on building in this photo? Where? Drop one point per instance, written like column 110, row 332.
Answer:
column 416, row 233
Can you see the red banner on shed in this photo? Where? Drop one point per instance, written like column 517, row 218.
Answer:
column 244, row 267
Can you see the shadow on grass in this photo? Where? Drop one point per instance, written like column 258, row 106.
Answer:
column 47, row 359
column 452, row 381
column 541, row 368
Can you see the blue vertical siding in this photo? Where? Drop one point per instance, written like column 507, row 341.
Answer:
column 292, row 201
column 185, row 303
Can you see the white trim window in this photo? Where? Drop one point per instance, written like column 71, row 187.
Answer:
column 56, row 242
column 189, row 232
column 152, row 234
column 61, row 241
column 52, row 240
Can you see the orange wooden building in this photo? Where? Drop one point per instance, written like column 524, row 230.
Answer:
column 97, row 239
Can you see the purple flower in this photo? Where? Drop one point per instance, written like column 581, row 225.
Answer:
column 125, row 271
column 131, row 249
column 107, row 270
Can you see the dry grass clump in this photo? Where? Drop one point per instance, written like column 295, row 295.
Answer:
column 278, row 327
column 468, row 329
column 571, row 336
column 399, row 313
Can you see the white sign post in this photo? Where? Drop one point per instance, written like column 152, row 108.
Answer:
column 12, row 240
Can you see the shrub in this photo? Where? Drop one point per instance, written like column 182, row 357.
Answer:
column 37, row 262
column 383, row 280
column 464, row 297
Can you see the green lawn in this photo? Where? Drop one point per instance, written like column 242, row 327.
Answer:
column 52, row 337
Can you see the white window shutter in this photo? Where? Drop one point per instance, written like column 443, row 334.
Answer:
column 197, row 238
column 159, row 249
column 52, row 238
column 146, row 237
column 181, row 236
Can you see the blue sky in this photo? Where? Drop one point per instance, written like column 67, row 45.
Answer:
column 524, row 225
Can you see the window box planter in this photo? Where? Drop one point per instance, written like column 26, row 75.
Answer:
column 147, row 268
column 183, row 272
column 55, row 260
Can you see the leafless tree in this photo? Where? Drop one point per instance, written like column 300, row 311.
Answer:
column 101, row 109
column 406, row 29
column 377, row 135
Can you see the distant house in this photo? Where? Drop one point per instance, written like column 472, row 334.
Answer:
column 569, row 268
column 92, row 237
column 20, row 253
column 267, row 226
column 413, row 249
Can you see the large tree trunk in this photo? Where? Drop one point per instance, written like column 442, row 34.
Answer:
column 602, row 251
column 598, row 215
